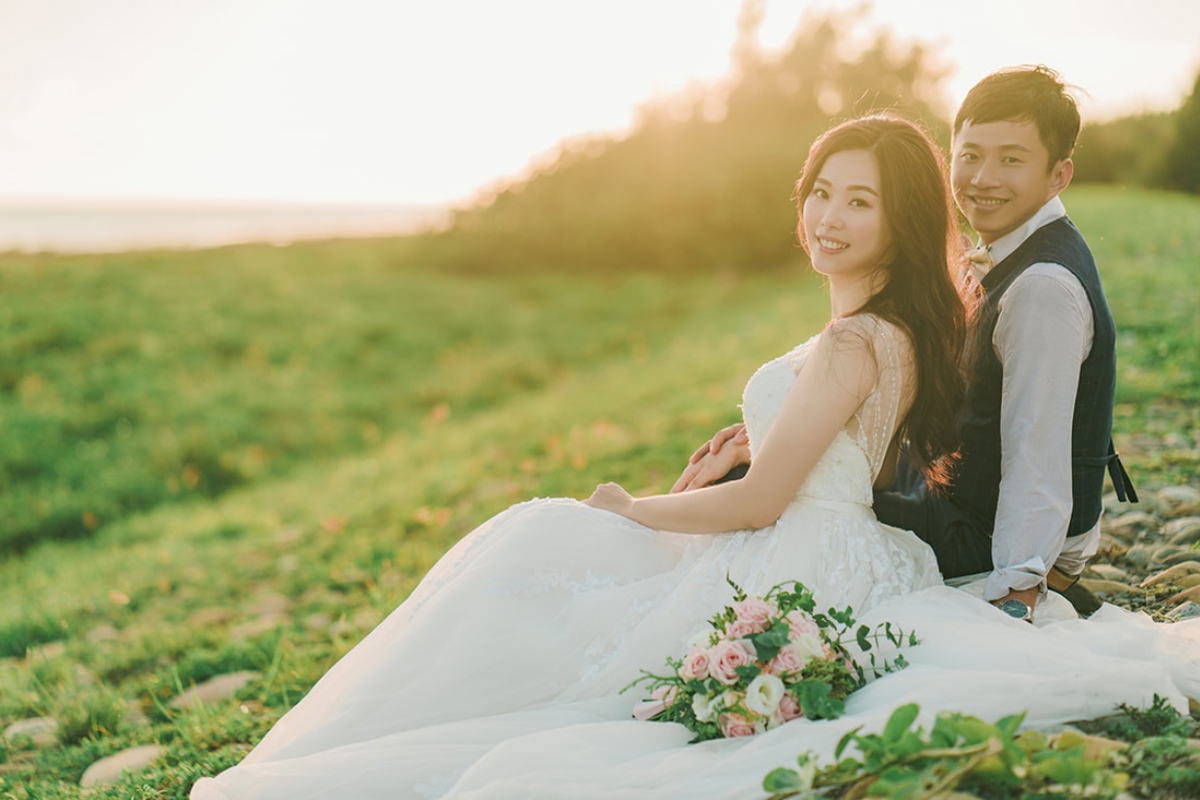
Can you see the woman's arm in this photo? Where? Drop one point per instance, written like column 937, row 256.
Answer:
column 835, row 379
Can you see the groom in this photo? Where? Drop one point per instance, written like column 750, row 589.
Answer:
column 1035, row 431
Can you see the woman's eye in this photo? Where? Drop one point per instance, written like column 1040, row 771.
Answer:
column 820, row 194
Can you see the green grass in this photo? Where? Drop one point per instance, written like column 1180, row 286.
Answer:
column 340, row 361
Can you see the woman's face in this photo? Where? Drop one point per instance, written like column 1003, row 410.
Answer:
column 844, row 224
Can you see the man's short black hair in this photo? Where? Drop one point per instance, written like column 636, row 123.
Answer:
column 1020, row 94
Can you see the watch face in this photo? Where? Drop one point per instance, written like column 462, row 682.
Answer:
column 1015, row 609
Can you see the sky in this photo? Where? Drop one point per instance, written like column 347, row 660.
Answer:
column 428, row 101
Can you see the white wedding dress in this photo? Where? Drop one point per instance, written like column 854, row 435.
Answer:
column 500, row 676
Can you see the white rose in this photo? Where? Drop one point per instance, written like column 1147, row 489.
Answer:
column 702, row 639
column 703, row 709
column 763, row 694
column 810, row 647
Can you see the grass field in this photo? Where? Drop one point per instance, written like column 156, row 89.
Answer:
column 242, row 459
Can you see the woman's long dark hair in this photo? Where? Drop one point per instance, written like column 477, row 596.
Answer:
column 919, row 291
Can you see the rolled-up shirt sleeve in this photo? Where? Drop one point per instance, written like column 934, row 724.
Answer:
column 1043, row 333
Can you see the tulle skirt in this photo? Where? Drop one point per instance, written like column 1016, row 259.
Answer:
column 501, row 675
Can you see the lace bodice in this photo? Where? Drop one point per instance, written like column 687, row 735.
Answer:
column 847, row 470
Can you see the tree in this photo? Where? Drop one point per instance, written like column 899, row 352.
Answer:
column 1182, row 167
column 705, row 178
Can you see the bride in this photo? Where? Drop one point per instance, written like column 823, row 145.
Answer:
column 500, row 676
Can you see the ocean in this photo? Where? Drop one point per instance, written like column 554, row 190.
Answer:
column 118, row 227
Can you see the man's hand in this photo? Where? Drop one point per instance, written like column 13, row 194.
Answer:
column 1027, row 596
column 728, row 448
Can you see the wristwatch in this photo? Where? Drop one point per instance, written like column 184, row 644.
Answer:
column 1017, row 609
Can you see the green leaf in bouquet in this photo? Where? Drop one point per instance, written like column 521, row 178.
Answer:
column 768, row 643
column 748, row 672
column 899, row 722
column 864, row 643
column 817, row 701
column 845, row 617
column 738, row 594
column 782, row 779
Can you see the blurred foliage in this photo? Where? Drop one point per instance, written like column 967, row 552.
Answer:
column 704, row 179
column 1182, row 165
column 1129, row 150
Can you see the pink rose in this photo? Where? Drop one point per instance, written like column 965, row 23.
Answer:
column 734, row 725
column 789, row 661
column 695, row 665
column 789, row 708
column 754, row 611
column 726, row 657
column 740, row 629
column 801, row 623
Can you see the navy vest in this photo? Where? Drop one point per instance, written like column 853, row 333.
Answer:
column 976, row 488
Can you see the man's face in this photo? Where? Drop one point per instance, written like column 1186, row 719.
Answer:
column 1001, row 174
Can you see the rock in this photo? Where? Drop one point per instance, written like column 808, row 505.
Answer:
column 1174, row 498
column 1182, row 531
column 1188, row 581
column 287, row 563
column 134, row 715
column 1130, row 523
column 1174, row 573
column 221, row 687
column 1139, row 557
column 1164, row 554
column 43, row 730
column 102, row 633
column 107, row 770
column 1192, row 594
column 254, row 627
column 46, row 652
column 1109, row 573
column 1188, row 610
column 1193, row 706
column 272, row 605
column 1099, row 586
column 317, row 621
column 1180, row 557
column 207, row 617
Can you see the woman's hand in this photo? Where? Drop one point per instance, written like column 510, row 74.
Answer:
column 611, row 497
column 726, row 450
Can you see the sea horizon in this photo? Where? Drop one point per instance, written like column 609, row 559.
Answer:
column 88, row 226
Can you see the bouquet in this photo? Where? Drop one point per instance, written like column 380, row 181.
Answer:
column 767, row 660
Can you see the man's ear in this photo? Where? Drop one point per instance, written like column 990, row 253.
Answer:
column 1060, row 176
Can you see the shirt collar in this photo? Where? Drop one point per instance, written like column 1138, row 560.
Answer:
column 1004, row 247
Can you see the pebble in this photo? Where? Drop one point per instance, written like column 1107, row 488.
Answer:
column 207, row 617
column 221, row 687
column 1192, row 595
column 254, row 627
column 1131, row 522
column 43, row 730
column 1172, row 574
column 1109, row 573
column 102, row 633
column 107, row 770
column 1180, row 557
column 1101, row 586
column 46, row 652
column 1182, row 531
column 1139, row 557
column 1188, row 610
column 272, row 605
column 1174, row 498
